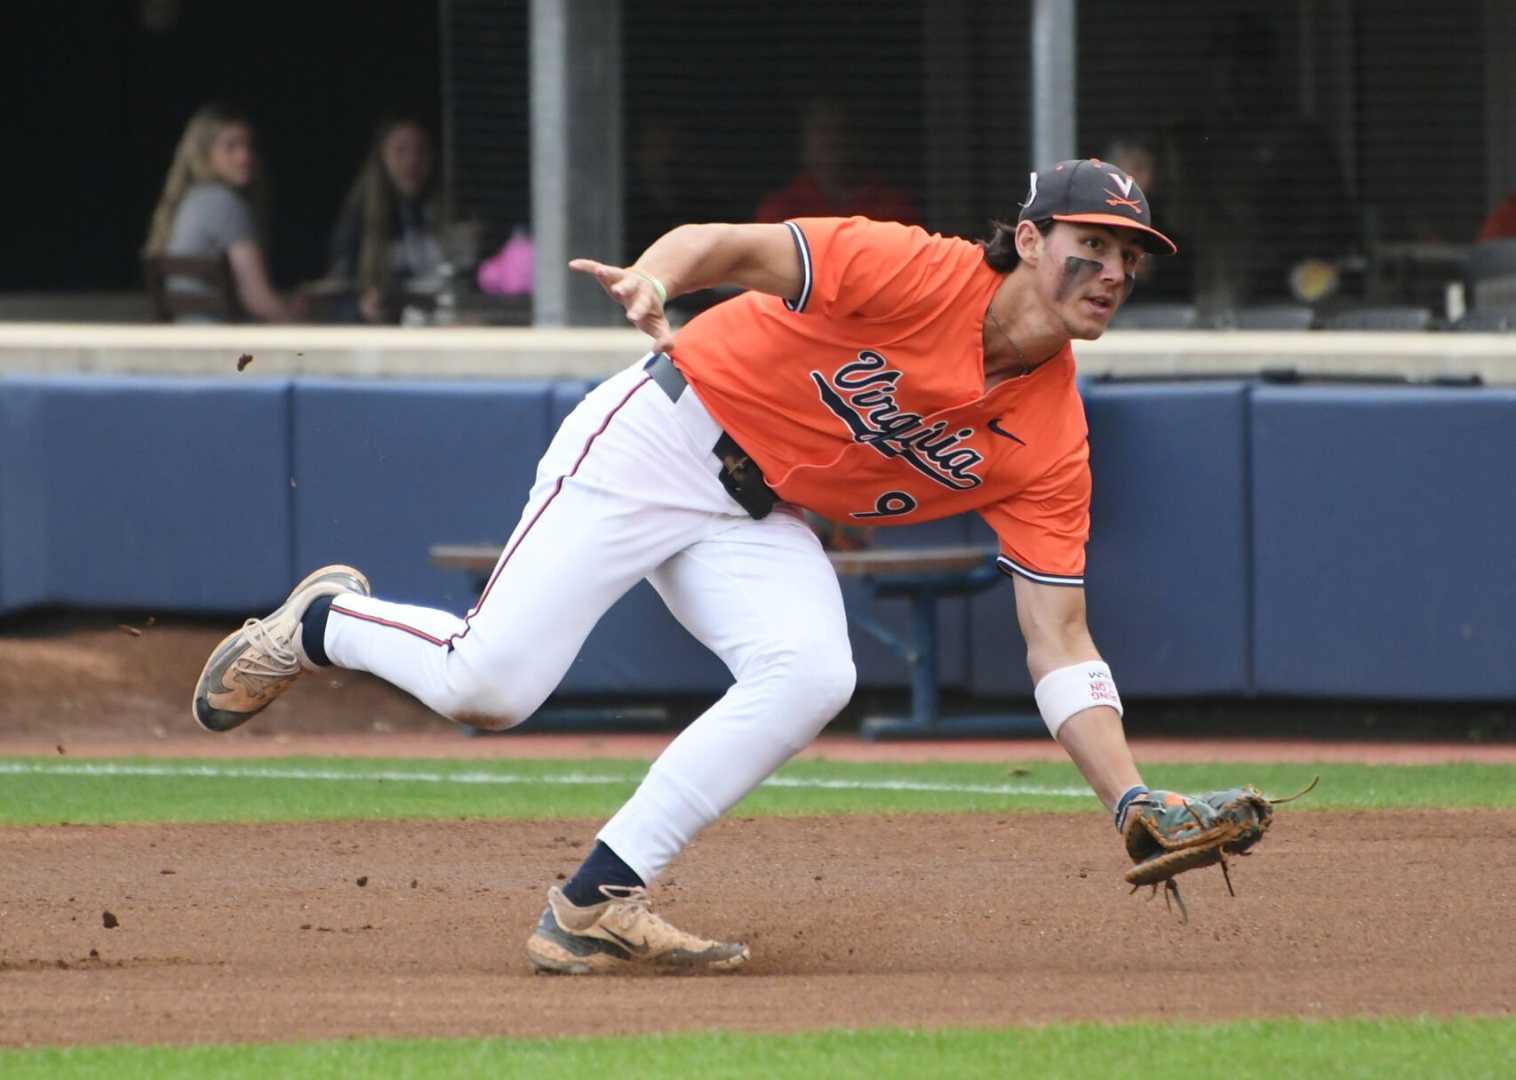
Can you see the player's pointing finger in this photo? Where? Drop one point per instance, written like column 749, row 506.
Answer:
column 607, row 276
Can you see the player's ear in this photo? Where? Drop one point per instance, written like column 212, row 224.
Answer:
column 1029, row 241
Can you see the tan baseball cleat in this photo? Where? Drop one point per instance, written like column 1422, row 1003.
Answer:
column 619, row 934
column 254, row 665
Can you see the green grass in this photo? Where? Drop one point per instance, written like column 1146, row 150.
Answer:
column 1463, row 1047
column 52, row 790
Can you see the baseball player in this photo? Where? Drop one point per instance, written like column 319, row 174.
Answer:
column 871, row 373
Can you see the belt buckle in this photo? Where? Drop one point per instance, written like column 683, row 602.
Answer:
column 742, row 480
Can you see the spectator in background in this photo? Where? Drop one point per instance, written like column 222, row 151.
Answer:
column 1260, row 191
column 213, row 205
column 387, row 239
column 1501, row 224
column 835, row 179
column 1149, row 161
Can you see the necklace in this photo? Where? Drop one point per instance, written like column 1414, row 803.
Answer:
column 1020, row 356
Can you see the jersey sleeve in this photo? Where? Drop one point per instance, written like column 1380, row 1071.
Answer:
column 1043, row 528
column 854, row 267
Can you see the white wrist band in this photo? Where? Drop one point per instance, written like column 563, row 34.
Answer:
column 1069, row 690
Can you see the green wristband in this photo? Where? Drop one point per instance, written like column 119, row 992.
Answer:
column 663, row 294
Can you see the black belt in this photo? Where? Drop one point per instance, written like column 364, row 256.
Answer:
column 739, row 473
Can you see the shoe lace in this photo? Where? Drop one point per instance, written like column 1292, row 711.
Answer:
column 631, row 911
column 628, row 902
column 267, row 658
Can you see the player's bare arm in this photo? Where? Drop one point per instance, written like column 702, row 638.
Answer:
column 761, row 258
column 1058, row 641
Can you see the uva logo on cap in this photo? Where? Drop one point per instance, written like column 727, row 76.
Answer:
column 1117, row 200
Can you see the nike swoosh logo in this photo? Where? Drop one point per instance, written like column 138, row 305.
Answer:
column 994, row 426
column 636, row 950
column 216, row 690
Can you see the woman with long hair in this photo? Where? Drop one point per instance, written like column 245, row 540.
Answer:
column 386, row 240
column 213, row 204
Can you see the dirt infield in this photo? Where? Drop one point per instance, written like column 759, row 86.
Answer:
column 255, row 933
column 264, row 933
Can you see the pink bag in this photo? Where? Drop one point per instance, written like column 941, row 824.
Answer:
column 509, row 271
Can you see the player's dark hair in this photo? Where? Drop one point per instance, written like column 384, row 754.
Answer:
column 1000, row 248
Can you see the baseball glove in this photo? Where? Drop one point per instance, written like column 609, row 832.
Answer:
column 1168, row 833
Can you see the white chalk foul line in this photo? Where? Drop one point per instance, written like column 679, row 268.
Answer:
column 238, row 772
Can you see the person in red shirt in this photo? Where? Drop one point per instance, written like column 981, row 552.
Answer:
column 871, row 372
column 1501, row 224
column 834, row 180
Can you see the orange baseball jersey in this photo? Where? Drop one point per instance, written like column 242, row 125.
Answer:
column 863, row 398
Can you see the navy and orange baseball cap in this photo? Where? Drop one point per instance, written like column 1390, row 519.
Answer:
column 1094, row 192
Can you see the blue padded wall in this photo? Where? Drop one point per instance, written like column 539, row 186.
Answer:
column 878, row 665
column 1169, row 551
column 1167, row 570
column 386, row 469
column 1275, row 540
column 23, row 496
column 1383, row 522
column 995, row 649
column 146, row 492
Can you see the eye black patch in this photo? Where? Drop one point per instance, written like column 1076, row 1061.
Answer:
column 1075, row 272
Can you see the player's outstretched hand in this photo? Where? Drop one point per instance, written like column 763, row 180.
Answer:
column 635, row 293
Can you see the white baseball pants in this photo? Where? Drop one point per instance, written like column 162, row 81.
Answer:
column 629, row 489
